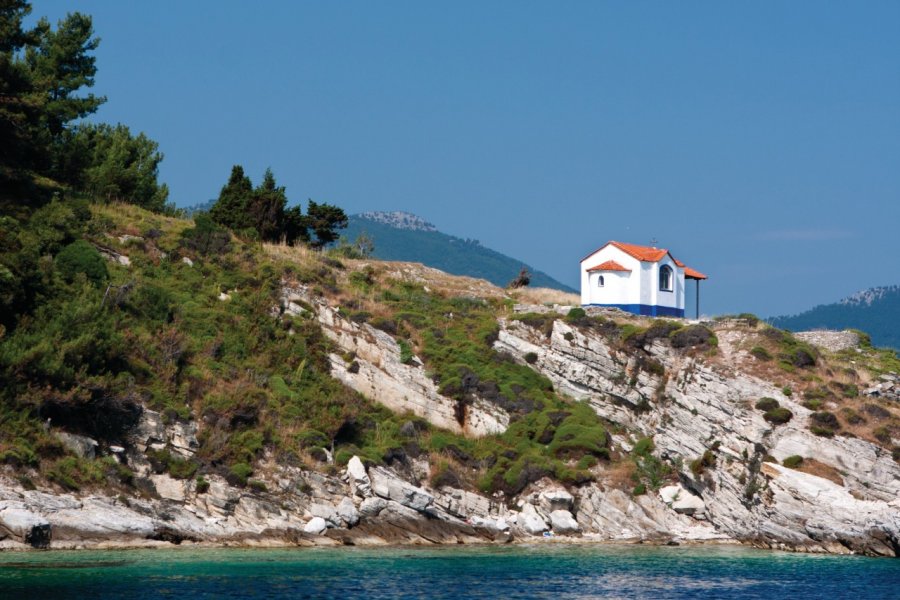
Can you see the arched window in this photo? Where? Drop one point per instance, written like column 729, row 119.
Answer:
column 600, row 281
column 665, row 278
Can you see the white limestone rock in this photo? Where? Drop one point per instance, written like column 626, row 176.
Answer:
column 315, row 526
column 327, row 512
column 168, row 487
column 359, row 479
column 556, row 499
column 531, row 521
column 25, row 526
column 388, row 485
column 371, row 507
column 563, row 523
column 347, row 511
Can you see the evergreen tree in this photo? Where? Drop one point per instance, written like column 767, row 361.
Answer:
column 230, row 209
column 111, row 164
column 324, row 220
column 266, row 209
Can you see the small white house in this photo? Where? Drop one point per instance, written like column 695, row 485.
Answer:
column 639, row 279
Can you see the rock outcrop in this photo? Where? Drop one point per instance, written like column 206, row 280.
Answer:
column 692, row 409
column 372, row 364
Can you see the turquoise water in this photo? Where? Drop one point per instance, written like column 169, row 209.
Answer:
column 538, row 571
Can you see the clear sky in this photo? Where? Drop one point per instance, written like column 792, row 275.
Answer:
column 758, row 141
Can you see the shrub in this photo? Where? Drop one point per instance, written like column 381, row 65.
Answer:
column 693, row 336
column 766, row 404
column 406, row 353
column 778, row 416
column 239, row 473
column 81, row 257
column 760, row 353
column 639, row 490
column 882, row 434
column 206, row 237
column 575, row 314
column 787, row 391
column 202, row 485
column 852, row 417
column 531, row 358
column 699, row 465
column 792, row 462
column 823, row 423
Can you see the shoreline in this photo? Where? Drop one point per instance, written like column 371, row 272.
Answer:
column 273, row 543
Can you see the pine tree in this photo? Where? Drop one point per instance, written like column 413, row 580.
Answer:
column 266, row 209
column 231, row 209
column 325, row 220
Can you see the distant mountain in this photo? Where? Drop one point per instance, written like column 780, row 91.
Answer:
column 875, row 311
column 404, row 236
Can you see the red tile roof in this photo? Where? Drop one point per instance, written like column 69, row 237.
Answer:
column 609, row 265
column 690, row 273
column 643, row 254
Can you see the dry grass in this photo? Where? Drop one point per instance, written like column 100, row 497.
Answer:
column 619, row 475
column 299, row 254
column 811, row 466
column 545, row 296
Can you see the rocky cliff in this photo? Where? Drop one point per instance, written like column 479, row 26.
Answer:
column 705, row 444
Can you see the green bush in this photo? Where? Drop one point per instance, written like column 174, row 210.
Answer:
column 760, row 353
column 531, row 357
column 406, row 353
column 206, row 237
column 81, row 257
column 823, row 423
column 202, row 485
column 792, row 462
column 239, row 473
column 575, row 314
column 693, row 336
column 778, row 416
column 699, row 465
column 766, row 404
column 639, row 490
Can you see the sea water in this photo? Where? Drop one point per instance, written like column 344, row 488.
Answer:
column 515, row 571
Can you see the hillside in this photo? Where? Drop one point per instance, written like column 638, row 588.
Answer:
column 875, row 311
column 406, row 237
column 177, row 385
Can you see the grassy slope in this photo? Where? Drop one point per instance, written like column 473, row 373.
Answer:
column 256, row 382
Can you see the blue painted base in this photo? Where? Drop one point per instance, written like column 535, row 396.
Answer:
column 647, row 310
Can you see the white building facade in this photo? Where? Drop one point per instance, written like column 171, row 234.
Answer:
column 639, row 279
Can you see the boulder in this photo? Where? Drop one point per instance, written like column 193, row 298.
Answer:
column 372, row 507
column 327, row 512
column 562, row 522
column 168, row 487
column 83, row 446
column 688, row 504
column 26, row 526
column 531, row 521
column 347, row 512
column 315, row 526
column 681, row 501
column 387, row 484
column 556, row 499
column 359, row 479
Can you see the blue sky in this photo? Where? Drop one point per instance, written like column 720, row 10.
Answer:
column 758, row 141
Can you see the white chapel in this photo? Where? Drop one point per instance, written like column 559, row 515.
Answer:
column 643, row 280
